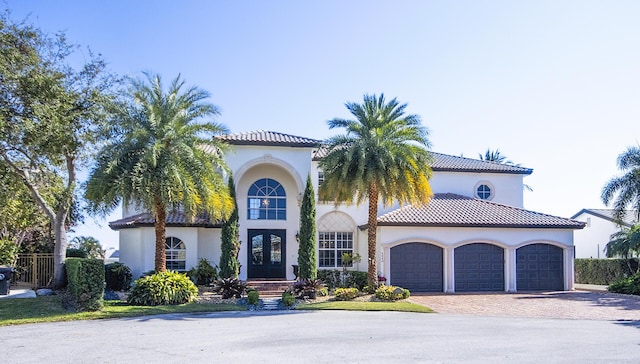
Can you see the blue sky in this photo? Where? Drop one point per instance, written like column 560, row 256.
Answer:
column 555, row 85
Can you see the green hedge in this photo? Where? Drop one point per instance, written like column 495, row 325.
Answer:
column 604, row 271
column 332, row 278
column 86, row 282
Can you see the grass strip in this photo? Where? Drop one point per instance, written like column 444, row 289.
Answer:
column 51, row 309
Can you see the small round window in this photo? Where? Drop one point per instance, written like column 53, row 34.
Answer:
column 483, row 192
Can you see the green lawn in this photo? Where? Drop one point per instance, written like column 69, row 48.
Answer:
column 51, row 309
column 402, row 306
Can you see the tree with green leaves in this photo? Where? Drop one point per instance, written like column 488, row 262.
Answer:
column 162, row 155
column 307, row 257
column 383, row 156
column 23, row 223
column 49, row 116
column 90, row 245
column 624, row 190
column 229, row 263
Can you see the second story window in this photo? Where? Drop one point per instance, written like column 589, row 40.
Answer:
column 483, row 192
column 266, row 200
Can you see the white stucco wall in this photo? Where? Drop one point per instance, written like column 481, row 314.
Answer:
column 591, row 241
column 293, row 184
column 507, row 189
column 450, row 238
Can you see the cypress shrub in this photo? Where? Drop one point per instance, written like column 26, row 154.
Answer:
column 604, row 271
column 307, row 258
column 86, row 282
column 229, row 264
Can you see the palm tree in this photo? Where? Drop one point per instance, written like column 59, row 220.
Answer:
column 625, row 243
column 162, row 156
column 494, row 156
column 625, row 188
column 383, row 155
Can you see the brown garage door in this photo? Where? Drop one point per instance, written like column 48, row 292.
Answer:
column 417, row 267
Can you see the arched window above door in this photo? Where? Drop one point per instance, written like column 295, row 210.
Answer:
column 266, row 200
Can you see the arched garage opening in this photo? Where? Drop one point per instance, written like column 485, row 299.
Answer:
column 479, row 267
column 539, row 267
column 417, row 267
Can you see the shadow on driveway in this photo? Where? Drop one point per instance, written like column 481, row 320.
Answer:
column 589, row 305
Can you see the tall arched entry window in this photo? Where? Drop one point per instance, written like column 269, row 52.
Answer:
column 266, row 200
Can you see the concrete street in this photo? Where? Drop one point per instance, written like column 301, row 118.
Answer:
column 323, row 337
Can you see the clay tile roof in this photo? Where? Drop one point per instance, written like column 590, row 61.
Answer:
column 176, row 218
column 445, row 162
column 450, row 163
column 451, row 210
column 263, row 137
column 630, row 218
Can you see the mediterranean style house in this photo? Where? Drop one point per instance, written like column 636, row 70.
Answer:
column 474, row 235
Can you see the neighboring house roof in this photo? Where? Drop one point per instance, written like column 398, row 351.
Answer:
column 269, row 138
column 629, row 219
column 450, row 163
column 176, row 218
column 452, row 210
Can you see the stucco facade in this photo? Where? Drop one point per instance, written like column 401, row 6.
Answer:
column 269, row 222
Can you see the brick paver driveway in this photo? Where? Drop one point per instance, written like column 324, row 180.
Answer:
column 565, row 305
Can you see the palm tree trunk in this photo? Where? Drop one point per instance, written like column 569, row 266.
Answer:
column 372, row 272
column 161, row 235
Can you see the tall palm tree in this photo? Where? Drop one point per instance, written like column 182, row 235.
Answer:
column 383, row 155
column 625, row 189
column 162, row 156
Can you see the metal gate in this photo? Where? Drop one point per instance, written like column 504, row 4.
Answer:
column 35, row 270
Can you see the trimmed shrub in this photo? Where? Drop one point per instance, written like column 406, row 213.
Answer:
column 163, row 288
column 229, row 287
column 604, row 271
column 333, row 278
column 118, row 276
column 356, row 279
column 346, row 294
column 8, row 252
column 287, row 299
column 253, row 297
column 391, row 293
column 85, row 279
column 629, row 285
column 204, row 274
column 76, row 253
